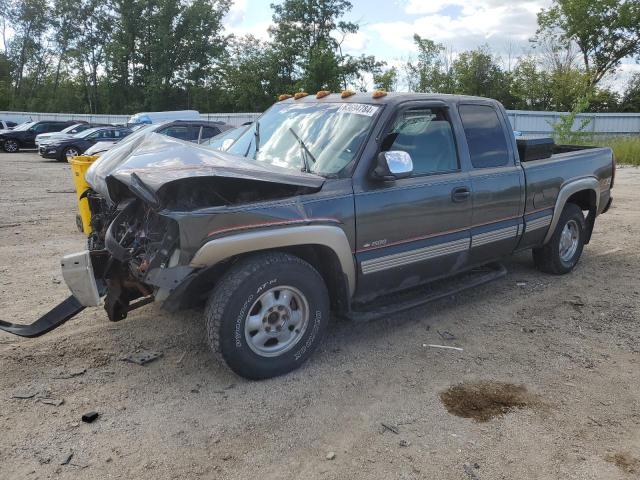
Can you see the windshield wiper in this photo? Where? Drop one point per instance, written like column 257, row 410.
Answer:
column 306, row 154
column 256, row 135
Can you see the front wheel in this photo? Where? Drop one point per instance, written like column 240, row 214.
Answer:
column 11, row 146
column 267, row 315
column 564, row 249
column 69, row 153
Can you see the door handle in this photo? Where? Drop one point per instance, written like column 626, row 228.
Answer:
column 460, row 194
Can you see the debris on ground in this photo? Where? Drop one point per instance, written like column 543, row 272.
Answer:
column 448, row 347
column 470, row 470
column 485, row 400
column 404, row 443
column 90, row 417
column 56, row 402
column 142, row 357
column 67, row 459
column 70, row 374
column 331, row 455
column 447, row 336
column 521, row 284
column 24, row 395
column 391, row 428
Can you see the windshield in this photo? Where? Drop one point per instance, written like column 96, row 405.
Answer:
column 86, row 133
column 23, row 126
column 316, row 137
column 69, row 128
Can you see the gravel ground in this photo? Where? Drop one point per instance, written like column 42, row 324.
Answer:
column 569, row 344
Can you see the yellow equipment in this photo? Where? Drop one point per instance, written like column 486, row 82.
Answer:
column 79, row 166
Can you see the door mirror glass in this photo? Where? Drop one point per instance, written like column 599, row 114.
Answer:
column 393, row 164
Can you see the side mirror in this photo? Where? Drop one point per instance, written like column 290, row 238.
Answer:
column 393, row 165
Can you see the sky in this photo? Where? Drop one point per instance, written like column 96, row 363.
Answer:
column 387, row 27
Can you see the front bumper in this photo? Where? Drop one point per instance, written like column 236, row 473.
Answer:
column 48, row 152
column 77, row 271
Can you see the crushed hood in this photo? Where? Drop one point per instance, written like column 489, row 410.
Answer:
column 163, row 167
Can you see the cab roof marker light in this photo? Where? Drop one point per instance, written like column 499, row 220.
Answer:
column 323, row 93
column 284, row 96
column 347, row 93
column 300, row 95
column 379, row 94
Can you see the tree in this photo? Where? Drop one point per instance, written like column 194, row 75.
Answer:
column 477, row 72
column 307, row 38
column 386, row 80
column 605, row 31
column 631, row 97
column 430, row 72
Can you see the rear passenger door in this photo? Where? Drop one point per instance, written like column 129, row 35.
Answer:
column 414, row 229
column 496, row 181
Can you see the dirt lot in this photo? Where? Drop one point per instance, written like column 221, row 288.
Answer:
column 564, row 352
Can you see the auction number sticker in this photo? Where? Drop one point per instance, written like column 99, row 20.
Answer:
column 358, row 109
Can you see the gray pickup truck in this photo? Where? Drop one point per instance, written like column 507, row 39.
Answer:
column 349, row 204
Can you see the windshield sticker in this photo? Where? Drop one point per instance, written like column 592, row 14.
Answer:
column 358, row 109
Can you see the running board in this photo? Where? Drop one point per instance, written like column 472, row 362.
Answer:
column 399, row 302
column 55, row 317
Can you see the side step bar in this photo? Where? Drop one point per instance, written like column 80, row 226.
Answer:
column 390, row 304
column 55, row 317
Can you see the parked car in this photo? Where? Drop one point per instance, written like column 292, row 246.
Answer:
column 224, row 140
column 7, row 125
column 63, row 149
column 331, row 204
column 24, row 136
column 197, row 131
column 70, row 131
column 159, row 117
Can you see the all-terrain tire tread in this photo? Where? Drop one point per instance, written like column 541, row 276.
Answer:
column 230, row 282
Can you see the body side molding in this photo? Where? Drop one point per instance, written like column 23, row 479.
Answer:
column 566, row 191
column 332, row 237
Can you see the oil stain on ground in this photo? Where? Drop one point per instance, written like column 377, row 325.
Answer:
column 625, row 462
column 485, row 400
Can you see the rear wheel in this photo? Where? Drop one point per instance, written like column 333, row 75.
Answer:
column 11, row 146
column 561, row 254
column 267, row 315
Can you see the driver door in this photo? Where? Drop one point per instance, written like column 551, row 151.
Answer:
column 415, row 229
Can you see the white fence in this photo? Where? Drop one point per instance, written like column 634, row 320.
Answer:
column 527, row 122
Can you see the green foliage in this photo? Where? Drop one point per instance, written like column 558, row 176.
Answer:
column 386, row 80
column 565, row 131
column 605, row 31
column 625, row 149
column 631, row 97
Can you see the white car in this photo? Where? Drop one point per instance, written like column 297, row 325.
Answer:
column 46, row 138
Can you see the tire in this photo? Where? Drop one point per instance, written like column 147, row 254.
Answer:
column 11, row 146
column 287, row 300
column 67, row 152
column 557, row 257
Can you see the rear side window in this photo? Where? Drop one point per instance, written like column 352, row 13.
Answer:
column 426, row 135
column 176, row 131
column 208, row 132
column 485, row 136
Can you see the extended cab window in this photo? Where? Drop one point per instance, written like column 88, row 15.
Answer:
column 427, row 136
column 485, row 136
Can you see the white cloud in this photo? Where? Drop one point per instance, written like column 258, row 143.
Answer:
column 499, row 23
column 259, row 30
column 236, row 12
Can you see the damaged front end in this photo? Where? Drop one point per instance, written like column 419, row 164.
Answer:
column 139, row 205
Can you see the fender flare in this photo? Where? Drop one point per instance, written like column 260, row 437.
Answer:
column 332, row 237
column 566, row 191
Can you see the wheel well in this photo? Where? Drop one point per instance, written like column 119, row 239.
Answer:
column 586, row 200
column 322, row 258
